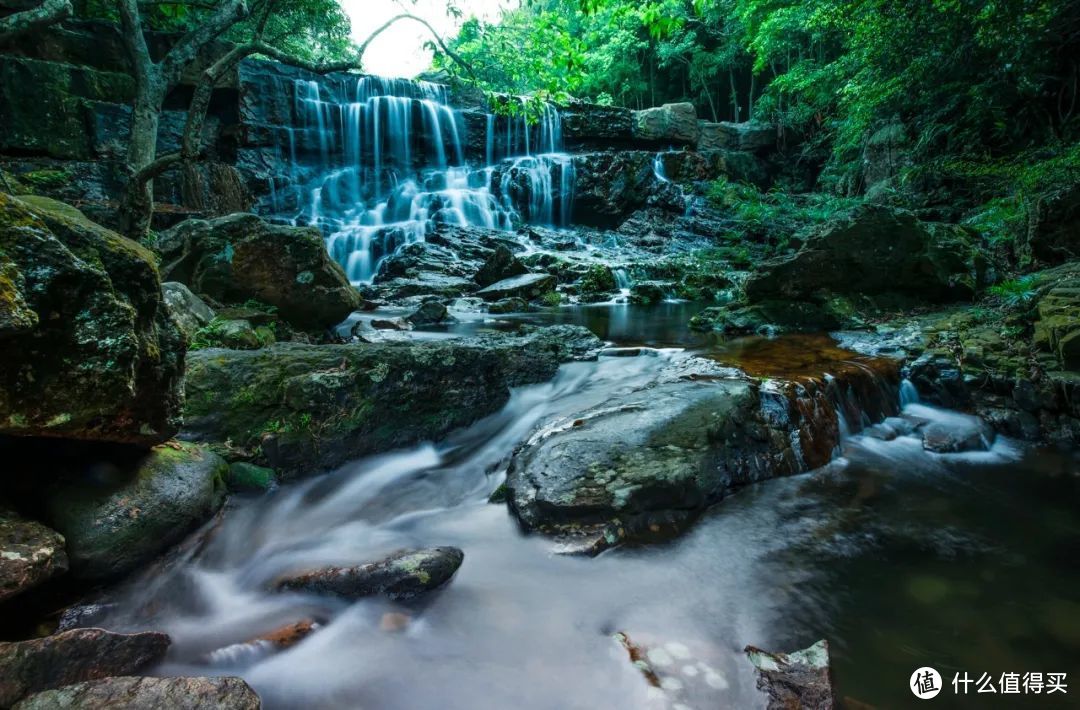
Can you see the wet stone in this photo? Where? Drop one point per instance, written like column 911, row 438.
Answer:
column 795, row 680
column 71, row 656
column 403, row 575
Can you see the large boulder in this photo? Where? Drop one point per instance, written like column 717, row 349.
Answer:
column 502, row 264
column 750, row 136
column 1057, row 327
column 876, row 250
column 311, row 407
column 138, row 693
column 72, row 656
column 669, row 124
column 30, row 553
column 241, row 256
column 653, row 457
column 403, row 575
column 121, row 516
column 90, row 351
column 1053, row 230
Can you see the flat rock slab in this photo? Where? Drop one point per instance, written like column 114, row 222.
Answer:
column 799, row 679
column 527, row 286
column 30, row 553
column 135, row 693
column 403, row 575
column 73, row 656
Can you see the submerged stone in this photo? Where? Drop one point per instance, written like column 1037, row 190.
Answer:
column 403, row 575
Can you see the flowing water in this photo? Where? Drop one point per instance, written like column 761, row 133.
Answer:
column 389, row 161
column 899, row 557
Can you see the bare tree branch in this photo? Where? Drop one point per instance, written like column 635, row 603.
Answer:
column 47, row 13
column 407, row 16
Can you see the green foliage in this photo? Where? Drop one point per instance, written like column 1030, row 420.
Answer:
column 776, row 215
column 551, row 298
column 974, row 84
column 307, row 29
column 1015, row 292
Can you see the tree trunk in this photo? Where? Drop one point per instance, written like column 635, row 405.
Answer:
column 137, row 199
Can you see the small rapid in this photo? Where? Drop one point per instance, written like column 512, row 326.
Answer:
column 777, row 564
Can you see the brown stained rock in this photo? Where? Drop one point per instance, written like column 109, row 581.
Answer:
column 800, row 679
column 73, row 656
column 289, row 635
column 403, row 575
column 136, row 693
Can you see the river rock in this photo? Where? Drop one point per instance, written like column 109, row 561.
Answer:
column 801, row 679
column 527, row 286
column 118, row 519
column 137, row 693
column 245, row 477
column 509, row 305
column 403, row 575
column 645, row 462
column 657, row 449
column 90, row 351
column 502, row 264
column 669, row 124
column 73, row 656
column 311, row 407
column 241, row 256
column 876, row 250
column 30, row 553
column 188, row 310
column 430, row 313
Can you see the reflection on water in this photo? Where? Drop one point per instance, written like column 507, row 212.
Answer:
column 901, row 558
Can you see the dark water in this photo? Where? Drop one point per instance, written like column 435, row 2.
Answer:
column 899, row 557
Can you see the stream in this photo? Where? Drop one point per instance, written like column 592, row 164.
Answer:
column 899, row 557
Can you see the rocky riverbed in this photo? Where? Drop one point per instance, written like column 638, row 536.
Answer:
column 526, row 427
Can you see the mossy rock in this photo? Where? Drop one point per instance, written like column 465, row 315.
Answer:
column 246, row 477
column 93, row 354
column 115, row 523
column 240, row 257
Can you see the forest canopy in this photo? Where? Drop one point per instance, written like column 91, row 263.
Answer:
column 969, row 80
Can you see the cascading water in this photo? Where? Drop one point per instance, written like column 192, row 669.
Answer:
column 391, row 163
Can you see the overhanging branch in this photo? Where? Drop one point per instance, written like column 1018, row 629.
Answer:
column 47, row 13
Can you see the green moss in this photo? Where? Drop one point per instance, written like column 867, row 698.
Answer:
column 551, row 298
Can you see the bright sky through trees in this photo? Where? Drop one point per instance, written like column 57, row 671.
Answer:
column 399, row 51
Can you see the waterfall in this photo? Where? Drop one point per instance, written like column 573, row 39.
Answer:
column 386, row 160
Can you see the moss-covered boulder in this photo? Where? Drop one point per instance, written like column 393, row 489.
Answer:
column 876, row 250
column 118, row 517
column 310, row 407
column 1053, row 230
column 90, row 351
column 241, row 256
